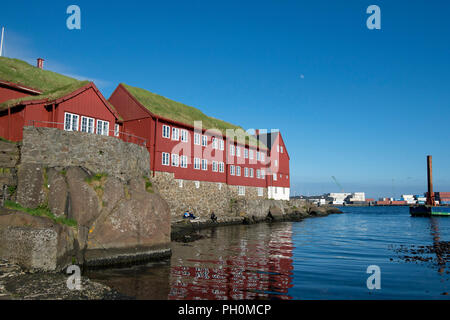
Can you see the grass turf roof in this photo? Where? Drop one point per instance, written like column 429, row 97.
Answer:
column 52, row 85
column 177, row 111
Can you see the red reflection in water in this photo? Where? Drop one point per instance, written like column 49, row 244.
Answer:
column 254, row 269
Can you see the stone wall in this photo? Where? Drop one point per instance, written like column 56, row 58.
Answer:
column 51, row 148
column 9, row 158
column 208, row 197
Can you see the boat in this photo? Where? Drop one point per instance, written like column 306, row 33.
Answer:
column 429, row 209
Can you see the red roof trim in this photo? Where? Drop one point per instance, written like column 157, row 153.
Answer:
column 20, row 87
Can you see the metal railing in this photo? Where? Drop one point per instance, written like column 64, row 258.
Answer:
column 124, row 136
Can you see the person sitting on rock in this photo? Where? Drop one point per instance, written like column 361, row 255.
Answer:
column 191, row 216
column 213, row 217
column 186, row 215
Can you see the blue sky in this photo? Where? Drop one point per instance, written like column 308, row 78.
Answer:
column 366, row 106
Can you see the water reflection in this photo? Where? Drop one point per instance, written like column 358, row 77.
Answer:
column 241, row 264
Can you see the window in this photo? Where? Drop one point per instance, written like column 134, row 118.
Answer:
column 180, row 183
column 246, row 153
column 232, row 150
column 281, row 149
column 278, row 149
column 215, row 143
column 87, row 125
column 232, row 170
column 251, row 172
column 258, row 174
column 238, row 171
column 246, row 172
column 71, row 122
column 276, row 163
column 103, row 127
column 222, row 145
column 241, row 191
column 238, row 151
column 263, row 174
column 196, row 163
column 196, row 139
column 175, row 134
column 116, row 130
column 183, row 162
column 165, row 159
column 251, row 154
column 204, row 164
column 184, row 136
column 221, row 167
column 175, row 160
column 287, row 177
column 263, row 157
column 197, row 184
column 258, row 156
column 274, row 177
column 260, row 192
column 204, row 141
column 166, row 132
column 215, row 166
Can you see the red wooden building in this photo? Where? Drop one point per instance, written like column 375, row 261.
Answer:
column 78, row 106
column 191, row 153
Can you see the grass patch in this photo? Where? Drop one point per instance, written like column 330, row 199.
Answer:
column 51, row 84
column 177, row 111
column 96, row 177
column 148, row 185
column 6, row 140
column 12, row 190
column 41, row 211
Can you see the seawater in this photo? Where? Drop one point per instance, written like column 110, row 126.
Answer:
column 317, row 258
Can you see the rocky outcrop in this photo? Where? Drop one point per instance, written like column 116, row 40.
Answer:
column 36, row 243
column 100, row 183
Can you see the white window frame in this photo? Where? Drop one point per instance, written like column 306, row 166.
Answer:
column 197, row 139
column 204, row 141
column 258, row 156
column 197, row 163
column 183, row 162
column 165, row 159
column 222, row 145
column 101, row 129
column 215, row 144
column 232, row 150
column 260, row 192
column 215, row 166
column 276, row 163
column 274, row 177
column 70, row 124
column 241, row 190
column 246, row 153
column 238, row 171
column 175, row 134
column 263, row 157
column 184, row 135
column 221, row 167
column 166, row 131
column 90, row 125
column 250, row 154
column 258, row 174
column 263, row 174
column 281, row 149
column 251, row 172
column 238, row 151
column 231, row 170
column 205, row 164
column 246, row 172
column 116, row 130
column 175, row 160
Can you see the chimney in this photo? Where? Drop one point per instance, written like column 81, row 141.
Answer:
column 40, row 63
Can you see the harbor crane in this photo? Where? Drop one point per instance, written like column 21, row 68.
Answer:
column 338, row 184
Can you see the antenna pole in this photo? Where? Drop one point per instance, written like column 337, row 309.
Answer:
column 1, row 42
